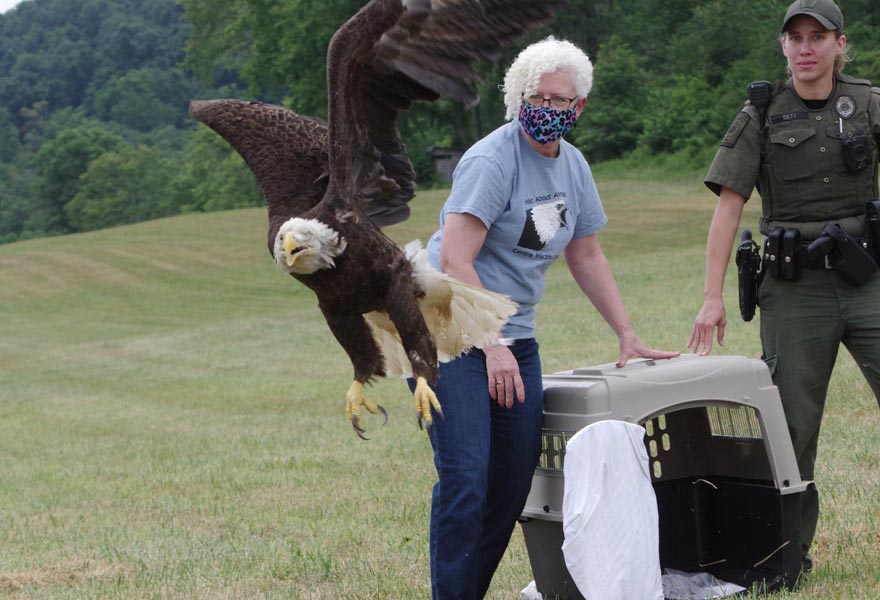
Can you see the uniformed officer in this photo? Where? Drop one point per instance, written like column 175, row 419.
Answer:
column 812, row 148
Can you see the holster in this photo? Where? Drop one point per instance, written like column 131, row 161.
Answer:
column 748, row 262
column 847, row 255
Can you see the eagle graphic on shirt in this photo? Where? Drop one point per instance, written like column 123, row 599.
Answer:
column 542, row 224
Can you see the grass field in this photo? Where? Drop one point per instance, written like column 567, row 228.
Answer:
column 172, row 423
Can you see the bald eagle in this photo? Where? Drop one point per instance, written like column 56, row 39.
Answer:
column 331, row 186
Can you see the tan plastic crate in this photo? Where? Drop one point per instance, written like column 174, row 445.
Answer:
column 724, row 472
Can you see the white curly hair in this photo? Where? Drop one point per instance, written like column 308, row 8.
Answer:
column 548, row 55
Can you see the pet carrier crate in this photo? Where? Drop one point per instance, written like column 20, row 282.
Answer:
column 721, row 461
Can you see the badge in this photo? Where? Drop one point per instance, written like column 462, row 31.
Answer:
column 845, row 106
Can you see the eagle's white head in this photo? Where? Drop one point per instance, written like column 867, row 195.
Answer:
column 303, row 246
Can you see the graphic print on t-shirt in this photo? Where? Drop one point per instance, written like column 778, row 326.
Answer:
column 542, row 224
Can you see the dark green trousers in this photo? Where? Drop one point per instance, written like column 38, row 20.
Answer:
column 802, row 326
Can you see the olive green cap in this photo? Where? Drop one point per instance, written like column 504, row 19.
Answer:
column 825, row 11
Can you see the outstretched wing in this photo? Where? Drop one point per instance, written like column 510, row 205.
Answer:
column 287, row 152
column 394, row 52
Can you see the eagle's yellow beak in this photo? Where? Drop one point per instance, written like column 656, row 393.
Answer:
column 290, row 244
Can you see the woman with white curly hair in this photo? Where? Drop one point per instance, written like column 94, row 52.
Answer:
column 521, row 197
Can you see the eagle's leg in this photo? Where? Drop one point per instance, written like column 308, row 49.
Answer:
column 404, row 312
column 354, row 399
column 425, row 398
column 356, row 338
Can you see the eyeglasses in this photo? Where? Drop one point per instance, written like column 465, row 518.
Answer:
column 557, row 102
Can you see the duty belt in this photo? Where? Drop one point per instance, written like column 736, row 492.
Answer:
column 800, row 257
column 786, row 254
column 810, row 230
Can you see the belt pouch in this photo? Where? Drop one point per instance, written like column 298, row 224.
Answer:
column 772, row 247
column 789, row 259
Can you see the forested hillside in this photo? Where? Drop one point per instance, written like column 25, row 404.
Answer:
column 94, row 129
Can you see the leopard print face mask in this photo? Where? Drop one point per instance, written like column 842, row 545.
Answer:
column 544, row 124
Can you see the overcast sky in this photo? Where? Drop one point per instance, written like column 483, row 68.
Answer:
column 7, row 4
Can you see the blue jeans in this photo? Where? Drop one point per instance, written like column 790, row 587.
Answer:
column 485, row 456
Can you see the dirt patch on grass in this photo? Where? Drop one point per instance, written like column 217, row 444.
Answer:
column 70, row 573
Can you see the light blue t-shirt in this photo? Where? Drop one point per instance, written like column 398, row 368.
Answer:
column 532, row 207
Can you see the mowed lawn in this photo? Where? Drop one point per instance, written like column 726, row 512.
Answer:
column 172, row 416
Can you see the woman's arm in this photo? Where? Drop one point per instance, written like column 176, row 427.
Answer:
column 591, row 271
column 722, row 233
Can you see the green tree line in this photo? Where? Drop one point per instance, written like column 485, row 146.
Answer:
column 94, row 130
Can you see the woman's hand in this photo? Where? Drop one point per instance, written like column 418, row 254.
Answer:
column 631, row 346
column 711, row 315
column 505, row 382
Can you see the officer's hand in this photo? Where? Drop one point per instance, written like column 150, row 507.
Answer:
column 711, row 315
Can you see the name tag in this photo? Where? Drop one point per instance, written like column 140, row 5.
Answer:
column 794, row 116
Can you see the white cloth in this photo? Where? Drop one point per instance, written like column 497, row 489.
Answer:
column 678, row 585
column 530, row 592
column 609, row 514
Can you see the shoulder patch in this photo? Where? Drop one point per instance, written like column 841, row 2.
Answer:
column 736, row 128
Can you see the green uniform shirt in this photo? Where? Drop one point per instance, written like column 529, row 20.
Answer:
column 798, row 163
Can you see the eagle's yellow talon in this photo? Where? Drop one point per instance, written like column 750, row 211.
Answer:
column 425, row 399
column 354, row 399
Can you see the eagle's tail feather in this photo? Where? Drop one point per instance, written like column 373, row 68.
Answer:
column 460, row 316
